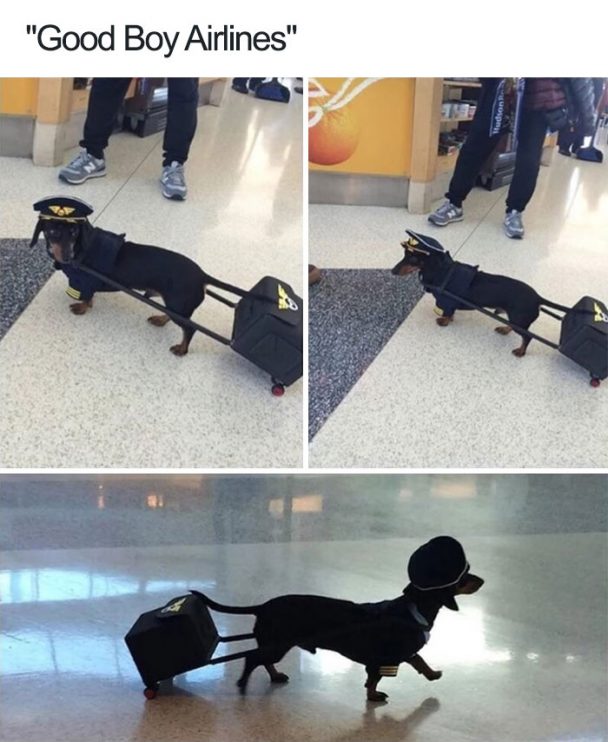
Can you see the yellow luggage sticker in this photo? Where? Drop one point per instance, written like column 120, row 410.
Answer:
column 285, row 301
column 600, row 315
column 174, row 607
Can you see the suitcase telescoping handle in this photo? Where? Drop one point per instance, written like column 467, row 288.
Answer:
column 497, row 317
column 150, row 302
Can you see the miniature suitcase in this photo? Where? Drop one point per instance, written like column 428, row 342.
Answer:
column 269, row 333
column 171, row 640
column 584, row 336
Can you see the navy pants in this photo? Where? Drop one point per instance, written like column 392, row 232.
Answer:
column 107, row 93
column 479, row 145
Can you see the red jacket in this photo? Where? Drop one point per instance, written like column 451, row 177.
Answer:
column 544, row 94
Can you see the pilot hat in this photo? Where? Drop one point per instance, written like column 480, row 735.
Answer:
column 417, row 242
column 440, row 563
column 60, row 208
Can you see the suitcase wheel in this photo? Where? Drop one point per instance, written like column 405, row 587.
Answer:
column 278, row 390
column 151, row 692
column 595, row 382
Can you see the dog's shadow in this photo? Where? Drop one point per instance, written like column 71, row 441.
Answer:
column 388, row 728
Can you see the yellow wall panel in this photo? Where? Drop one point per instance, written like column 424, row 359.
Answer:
column 370, row 135
column 18, row 95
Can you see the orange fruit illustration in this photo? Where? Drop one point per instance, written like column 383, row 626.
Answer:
column 334, row 138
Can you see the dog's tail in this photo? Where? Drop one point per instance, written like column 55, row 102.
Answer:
column 247, row 610
column 211, row 281
column 553, row 305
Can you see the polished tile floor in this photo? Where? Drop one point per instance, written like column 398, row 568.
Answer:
column 524, row 659
column 103, row 390
column 456, row 397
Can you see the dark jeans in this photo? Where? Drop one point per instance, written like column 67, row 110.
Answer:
column 479, row 145
column 107, row 94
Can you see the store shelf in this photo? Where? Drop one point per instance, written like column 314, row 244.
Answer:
column 461, row 84
column 456, row 120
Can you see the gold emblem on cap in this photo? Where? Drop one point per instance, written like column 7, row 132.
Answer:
column 62, row 210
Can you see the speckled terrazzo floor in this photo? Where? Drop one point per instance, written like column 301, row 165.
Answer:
column 24, row 272
column 103, row 390
column 352, row 315
column 523, row 660
column 469, row 402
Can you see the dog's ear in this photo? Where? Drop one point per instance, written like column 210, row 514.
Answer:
column 36, row 234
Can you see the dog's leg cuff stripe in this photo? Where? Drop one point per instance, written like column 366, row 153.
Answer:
column 72, row 293
column 389, row 671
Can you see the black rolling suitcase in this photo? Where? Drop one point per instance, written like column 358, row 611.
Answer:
column 179, row 637
column 584, row 336
column 269, row 332
column 171, row 640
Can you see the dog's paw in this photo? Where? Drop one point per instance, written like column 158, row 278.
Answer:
column 158, row 320
column 377, row 696
column 178, row 350
column 79, row 308
column 519, row 352
column 280, row 678
column 502, row 330
column 443, row 321
column 434, row 675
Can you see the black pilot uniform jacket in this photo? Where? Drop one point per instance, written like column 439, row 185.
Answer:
column 457, row 279
column 101, row 254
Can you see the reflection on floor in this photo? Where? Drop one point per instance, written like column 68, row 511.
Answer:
column 102, row 383
column 524, row 659
column 455, row 396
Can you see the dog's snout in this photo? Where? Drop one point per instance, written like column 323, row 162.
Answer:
column 470, row 584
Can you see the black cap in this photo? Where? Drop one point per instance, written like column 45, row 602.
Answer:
column 63, row 208
column 422, row 243
column 438, row 564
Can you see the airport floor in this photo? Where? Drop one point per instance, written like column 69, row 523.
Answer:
column 103, row 390
column 523, row 660
column 456, row 396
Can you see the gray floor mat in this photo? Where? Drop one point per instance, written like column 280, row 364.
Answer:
column 352, row 315
column 23, row 272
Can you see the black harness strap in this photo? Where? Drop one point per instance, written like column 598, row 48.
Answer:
column 483, row 310
column 174, row 315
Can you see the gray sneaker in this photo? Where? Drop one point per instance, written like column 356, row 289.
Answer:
column 514, row 227
column 83, row 167
column 173, row 181
column 446, row 214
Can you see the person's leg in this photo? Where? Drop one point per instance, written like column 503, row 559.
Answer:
column 565, row 140
column 532, row 131
column 181, row 126
column 107, row 93
column 181, row 119
column 104, row 101
column 476, row 149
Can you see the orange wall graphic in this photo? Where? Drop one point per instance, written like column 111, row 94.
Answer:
column 361, row 125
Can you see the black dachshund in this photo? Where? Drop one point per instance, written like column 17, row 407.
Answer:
column 72, row 241
column 439, row 272
column 378, row 635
